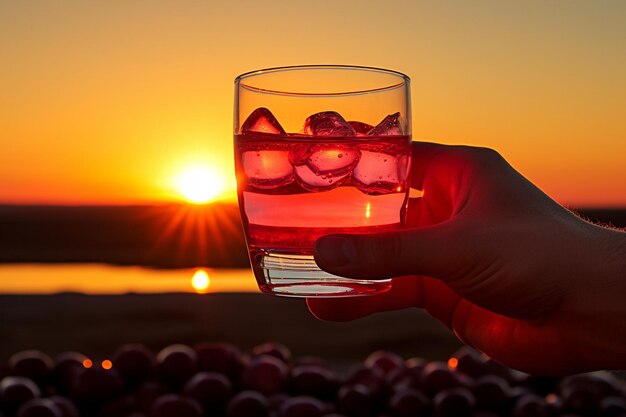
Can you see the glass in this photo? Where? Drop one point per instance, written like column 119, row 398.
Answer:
column 319, row 150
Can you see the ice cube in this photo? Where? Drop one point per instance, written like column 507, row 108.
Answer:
column 332, row 159
column 389, row 126
column 262, row 121
column 361, row 128
column 311, row 181
column 267, row 169
column 299, row 153
column 328, row 123
column 377, row 173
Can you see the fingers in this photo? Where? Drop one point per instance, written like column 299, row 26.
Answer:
column 405, row 292
column 439, row 250
column 423, row 153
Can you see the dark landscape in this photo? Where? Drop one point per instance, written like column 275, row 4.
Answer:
column 165, row 236
column 97, row 324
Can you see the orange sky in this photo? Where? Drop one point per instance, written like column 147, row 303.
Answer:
column 107, row 102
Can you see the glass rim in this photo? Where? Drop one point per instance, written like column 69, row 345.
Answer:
column 405, row 79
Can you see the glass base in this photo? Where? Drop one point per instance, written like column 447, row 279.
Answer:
column 299, row 276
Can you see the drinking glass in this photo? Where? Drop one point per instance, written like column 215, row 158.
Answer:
column 319, row 149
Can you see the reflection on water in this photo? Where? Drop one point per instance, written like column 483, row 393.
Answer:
column 108, row 279
column 200, row 281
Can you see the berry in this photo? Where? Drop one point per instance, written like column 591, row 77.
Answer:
column 134, row 362
column 210, row 389
column 580, row 400
column 453, row 402
column 248, row 404
column 371, row 378
column 265, row 374
column 223, row 358
column 95, row 385
column 173, row 405
column 177, row 363
column 530, row 405
column 32, row 364
column 313, row 380
column 384, row 361
column 469, row 362
column 118, row 407
column 302, row 406
column 408, row 403
column 16, row 390
column 613, row 406
column 437, row 377
column 39, row 407
column 66, row 365
column 67, row 407
column 492, row 392
column 147, row 393
column 356, row 401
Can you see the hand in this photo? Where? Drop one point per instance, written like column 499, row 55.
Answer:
column 510, row 271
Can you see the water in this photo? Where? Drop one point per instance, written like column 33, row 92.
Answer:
column 109, row 279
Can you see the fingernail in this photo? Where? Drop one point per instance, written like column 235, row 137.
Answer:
column 334, row 251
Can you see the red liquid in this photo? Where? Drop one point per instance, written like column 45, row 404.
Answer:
column 294, row 189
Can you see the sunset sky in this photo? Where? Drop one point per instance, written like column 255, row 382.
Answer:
column 112, row 102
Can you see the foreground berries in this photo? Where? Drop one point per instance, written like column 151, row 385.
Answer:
column 218, row 379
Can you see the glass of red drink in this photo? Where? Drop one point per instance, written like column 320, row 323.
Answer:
column 319, row 149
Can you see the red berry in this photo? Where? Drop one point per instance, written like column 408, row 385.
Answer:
column 32, row 364
column 222, row 358
column 436, row 377
column 302, row 406
column 265, row 374
column 613, row 406
column 408, row 403
column 173, row 405
column 39, row 407
column 134, row 362
column 385, row 361
column 248, row 404
column 95, row 385
column 177, row 363
column 67, row 407
column 453, row 402
column 372, row 378
column 313, row 380
column 16, row 390
column 530, row 405
column 356, row 401
column 66, row 365
column 119, row 407
column 492, row 392
column 211, row 389
column 147, row 393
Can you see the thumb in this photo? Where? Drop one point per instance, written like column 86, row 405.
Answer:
column 436, row 251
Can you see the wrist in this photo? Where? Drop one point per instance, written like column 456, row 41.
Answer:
column 602, row 301
column 617, row 258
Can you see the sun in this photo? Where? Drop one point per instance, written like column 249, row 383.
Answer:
column 200, row 184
